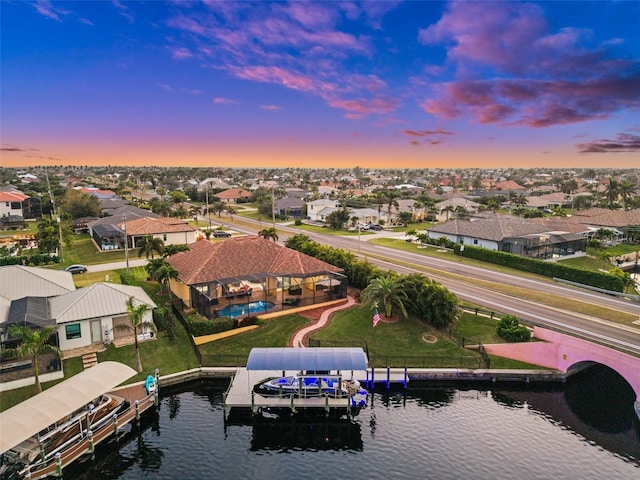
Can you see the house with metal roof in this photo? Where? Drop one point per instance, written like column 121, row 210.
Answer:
column 243, row 275
column 97, row 314
column 18, row 282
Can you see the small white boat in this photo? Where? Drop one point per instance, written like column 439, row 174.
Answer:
column 310, row 386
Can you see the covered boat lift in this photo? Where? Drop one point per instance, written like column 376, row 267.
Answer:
column 265, row 363
column 37, row 413
column 21, row 424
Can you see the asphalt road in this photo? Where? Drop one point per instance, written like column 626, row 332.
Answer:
column 626, row 338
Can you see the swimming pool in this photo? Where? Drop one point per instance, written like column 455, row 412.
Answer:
column 240, row 309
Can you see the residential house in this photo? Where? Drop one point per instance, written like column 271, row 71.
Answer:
column 97, row 314
column 233, row 195
column 452, row 207
column 172, row 231
column 108, row 232
column 289, row 207
column 318, row 210
column 243, row 270
column 510, row 234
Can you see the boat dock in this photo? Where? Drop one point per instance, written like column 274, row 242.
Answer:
column 139, row 402
column 22, row 425
column 263, row 364
column 241, row 389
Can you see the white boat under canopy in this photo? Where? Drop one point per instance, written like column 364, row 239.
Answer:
column 30, row 417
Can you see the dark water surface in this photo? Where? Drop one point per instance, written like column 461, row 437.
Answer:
column 585, row 430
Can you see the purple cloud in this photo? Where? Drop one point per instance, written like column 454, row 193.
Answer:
column 299, row 45
column 427, row 133
column 512, row 69
column 273, row 108
column 624, row 142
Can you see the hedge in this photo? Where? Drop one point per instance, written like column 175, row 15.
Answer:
column 548, row 269
column 199, row 325
column 30, row 260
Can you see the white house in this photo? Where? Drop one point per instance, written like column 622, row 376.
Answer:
column 318, row 210
column 96, row 314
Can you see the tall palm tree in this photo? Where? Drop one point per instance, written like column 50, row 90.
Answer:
column 231, row 211
column 33, row 343
column 48, row 235
column 138, row 323
column 269, row 234
column 388, row 292
column 150, row 245
column 163, row 274
column 612, row 191
column 194, row 211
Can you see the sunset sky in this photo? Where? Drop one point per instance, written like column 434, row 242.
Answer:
column 379, row 84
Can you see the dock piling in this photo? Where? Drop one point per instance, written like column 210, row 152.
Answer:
column 58, row 464
column 91, row 444
column 115, row 424
column 137, row 404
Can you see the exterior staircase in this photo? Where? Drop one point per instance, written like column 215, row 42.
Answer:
column 89, row 360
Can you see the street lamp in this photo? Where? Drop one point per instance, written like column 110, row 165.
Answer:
column 359, row 229
column 126, row 243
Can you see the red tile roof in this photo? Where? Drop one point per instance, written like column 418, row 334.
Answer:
column 150, row 226
column 12, row 196
column 241, row 257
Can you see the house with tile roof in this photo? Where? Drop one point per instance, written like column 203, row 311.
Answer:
column 215, row 278
column 510, row 234
column 233, row 195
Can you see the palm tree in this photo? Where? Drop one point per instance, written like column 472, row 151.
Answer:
column 444, row 307
column 148, row 245
column 231, row 210
column 387, row 291
column 194, row 211
column 612, row 191
column 138, row 323
column 33, row 343
column 163, row 274
column 625, row 189
column 269, row 234
column 48, row 235
column 153, row 265
column 217, row 207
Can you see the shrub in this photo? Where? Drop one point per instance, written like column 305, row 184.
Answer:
column 159, row 317
column 199, row 325
column 511, row 330
column 297, row 222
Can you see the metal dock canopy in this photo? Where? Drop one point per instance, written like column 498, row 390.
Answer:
column 26, row 419
column 315, row 359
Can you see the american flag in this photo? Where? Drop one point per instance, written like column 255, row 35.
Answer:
column 376, row 318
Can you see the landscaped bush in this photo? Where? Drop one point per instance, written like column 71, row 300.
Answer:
column 31, row 260
column 199, row 325
column 605, row 281
column 511, row 330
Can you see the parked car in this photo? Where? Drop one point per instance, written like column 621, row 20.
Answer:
column 76, row 269
column 221, row 234
column 375, row 226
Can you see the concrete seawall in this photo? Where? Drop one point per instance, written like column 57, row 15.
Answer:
column 419, row 376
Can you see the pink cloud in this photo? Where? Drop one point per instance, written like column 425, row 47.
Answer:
column 361, row 107
column 45, row 8
column 224, row 101
column 273, row 108
column 180, row 53
column 276, row 75
column 165, row 87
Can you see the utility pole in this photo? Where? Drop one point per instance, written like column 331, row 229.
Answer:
column 273, row 206
column 207, row 202
column 126, row 242
column 53, row 212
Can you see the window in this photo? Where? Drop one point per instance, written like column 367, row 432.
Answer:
column 204, row 289
column 475, row 241
column 73, row 331
column 164, row 237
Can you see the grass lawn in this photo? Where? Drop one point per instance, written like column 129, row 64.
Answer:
column 166, row 355
column 586, row 263
column 328, row 231
column 557, row 301
column 273, row 333
column 82, row 250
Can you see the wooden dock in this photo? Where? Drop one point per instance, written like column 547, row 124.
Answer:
column 134, row 394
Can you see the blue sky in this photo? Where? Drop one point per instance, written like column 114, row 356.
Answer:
column 311, row 84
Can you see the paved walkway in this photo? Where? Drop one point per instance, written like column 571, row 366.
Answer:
column 298, row 337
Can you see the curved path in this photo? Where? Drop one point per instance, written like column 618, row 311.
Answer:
column 298, row 337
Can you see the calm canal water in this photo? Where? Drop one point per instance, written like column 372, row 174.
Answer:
column 584, row 430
